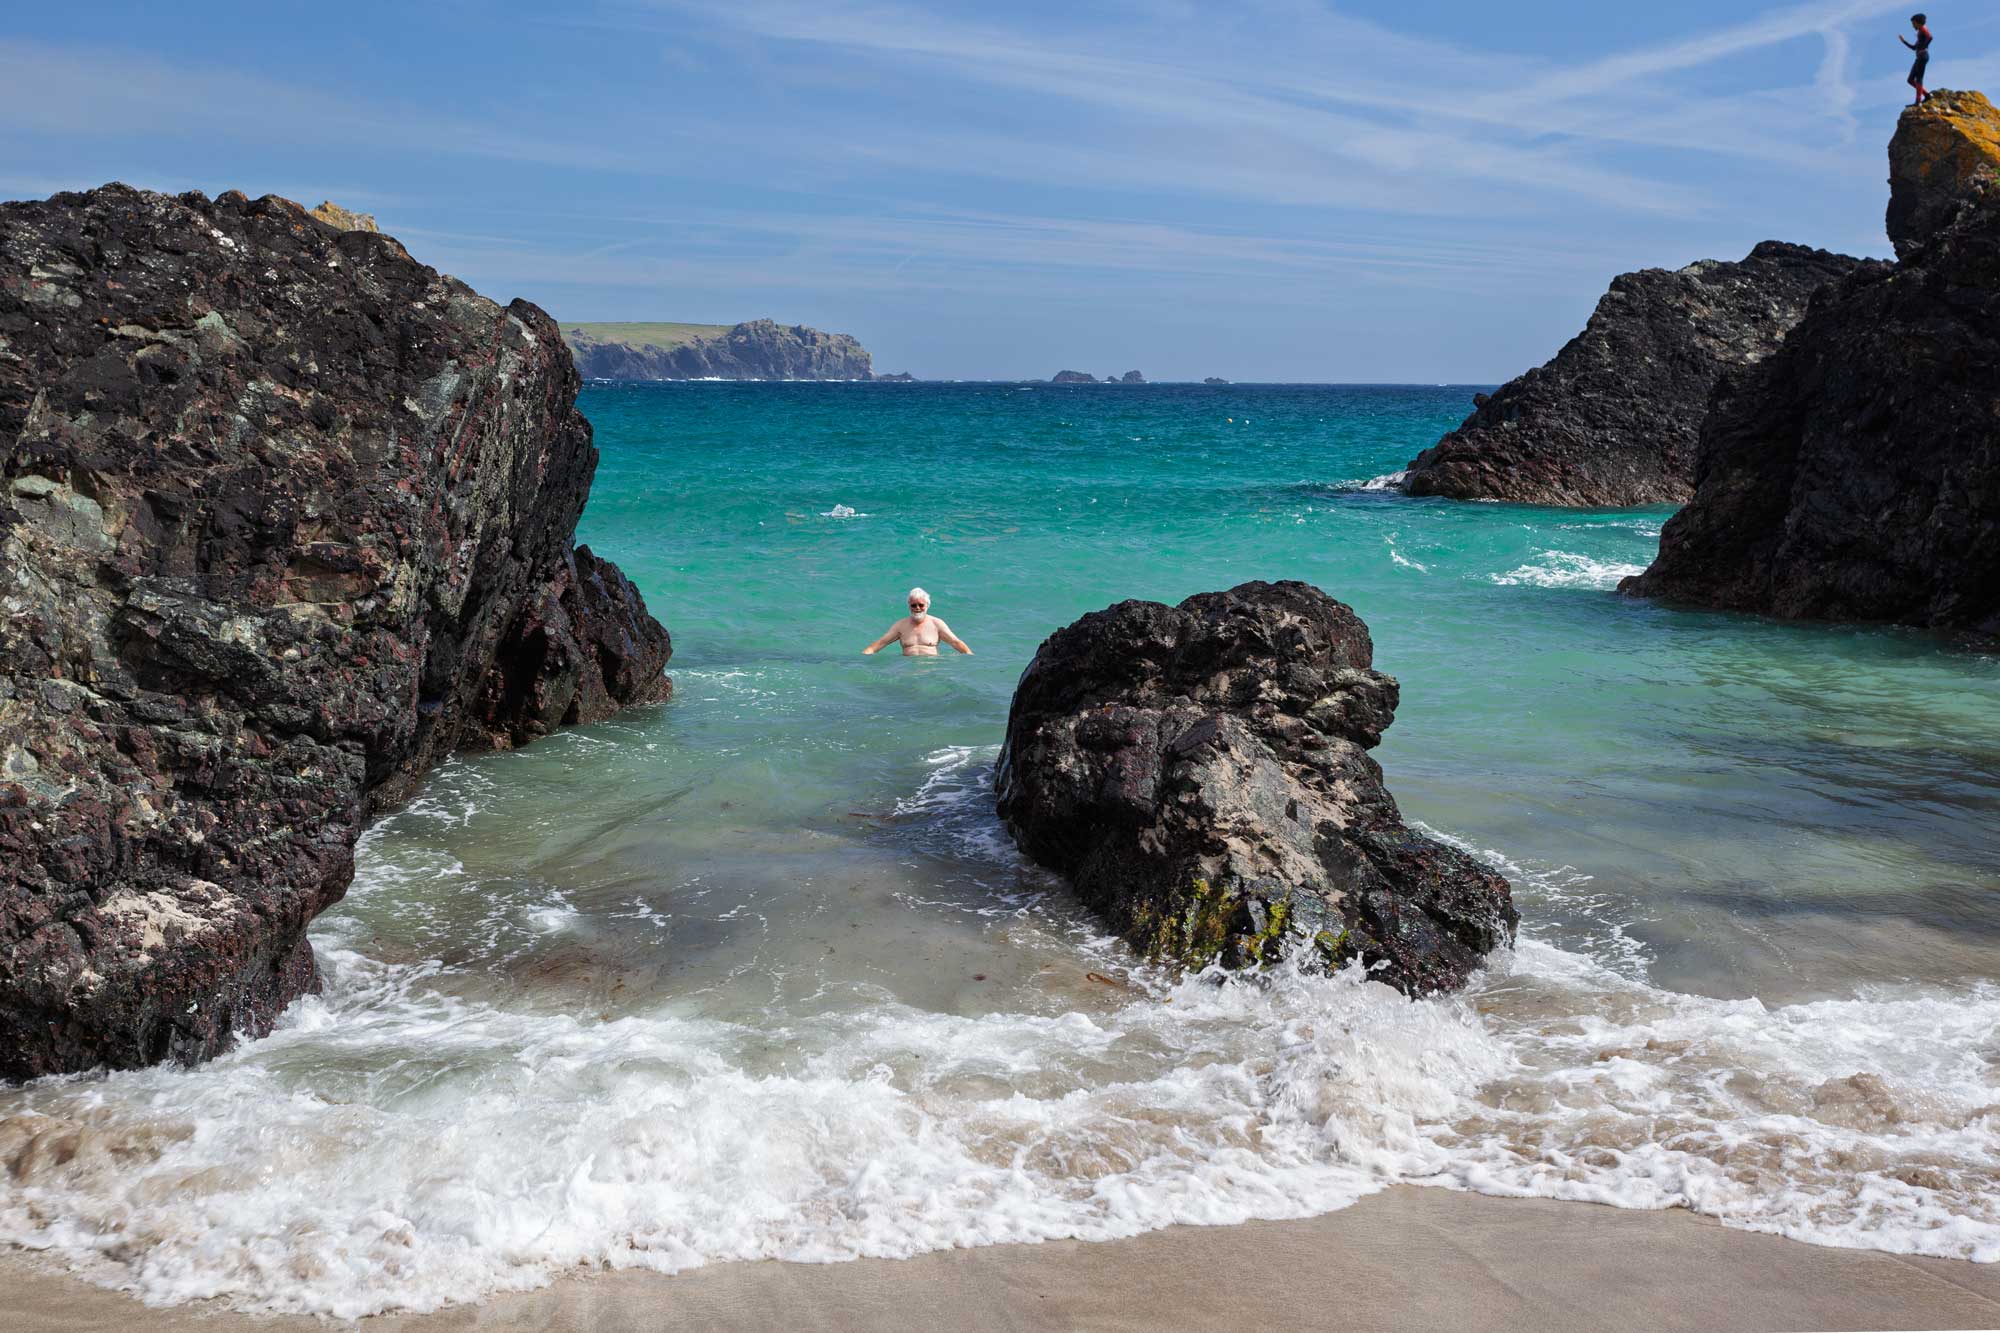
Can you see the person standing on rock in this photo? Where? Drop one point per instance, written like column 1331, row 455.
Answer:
column 920, row 631
column 1922, row 46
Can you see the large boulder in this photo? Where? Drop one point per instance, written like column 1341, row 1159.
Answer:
column 1613, row 419
column 285, row 518
column 1855, row 475
column 1200, row 773
column 1944, row 152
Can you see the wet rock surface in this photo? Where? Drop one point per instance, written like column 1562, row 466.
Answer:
column 1855, row 475
column 1614, row 418
column 285, row 518
column 760, row 349
column 1200, row 773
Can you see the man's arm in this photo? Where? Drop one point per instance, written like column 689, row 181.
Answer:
column 893, row 632
column 1904, row 40
column 944, row 632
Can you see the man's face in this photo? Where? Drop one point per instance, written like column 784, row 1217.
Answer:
column 919, row 608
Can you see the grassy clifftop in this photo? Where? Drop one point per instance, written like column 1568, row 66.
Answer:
column 662, row 336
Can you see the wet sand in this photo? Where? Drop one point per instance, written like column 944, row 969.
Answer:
column 1407, row 1258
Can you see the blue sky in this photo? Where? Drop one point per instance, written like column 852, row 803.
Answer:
column 1259, row 189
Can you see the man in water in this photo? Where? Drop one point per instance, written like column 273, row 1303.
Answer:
column 920, row 631
column 1922, row 46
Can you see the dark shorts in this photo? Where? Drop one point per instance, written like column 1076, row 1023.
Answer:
column 1917, row 69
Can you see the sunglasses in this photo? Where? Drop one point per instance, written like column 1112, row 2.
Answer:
column 918, row 606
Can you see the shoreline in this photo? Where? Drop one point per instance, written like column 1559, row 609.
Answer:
column 1407, row 1257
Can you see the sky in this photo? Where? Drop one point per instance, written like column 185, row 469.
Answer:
column 1426, row 191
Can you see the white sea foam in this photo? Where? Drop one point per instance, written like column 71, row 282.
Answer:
column 1388, row 481
column 955, row 805
column 396, row 1145
column 1645, row 527
column 842, row 511
column 1566, row 569
column 1397, row 557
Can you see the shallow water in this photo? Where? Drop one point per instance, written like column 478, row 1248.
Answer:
column 756, row 973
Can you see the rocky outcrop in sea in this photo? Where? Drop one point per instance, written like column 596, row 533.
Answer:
column 286, row 517
column 1073, row 377
column 1855, row 475
column 761, row 349
column 1200, row 774
column 1613, row 419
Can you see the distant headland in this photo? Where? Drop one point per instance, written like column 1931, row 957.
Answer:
column 761, row 349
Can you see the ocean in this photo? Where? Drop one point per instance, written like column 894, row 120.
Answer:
column 757, row 974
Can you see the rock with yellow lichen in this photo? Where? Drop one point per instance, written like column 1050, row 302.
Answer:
column 1945, row 151
column 1855, row 474
column 346, row 219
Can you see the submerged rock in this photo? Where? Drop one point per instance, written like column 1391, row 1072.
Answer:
column 1855, row 475
column 1944, row 152
column 1613, row 419
column 1200, row 774
column 285, row 518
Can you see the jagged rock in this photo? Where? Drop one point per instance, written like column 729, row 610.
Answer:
column 333, row 215
column 1131, row 377
column 1613, row 418
column 1855, row 475
column 1073, row 377
column 1943, row 153
column 285, row 518
column 760, row 349
column 1215, row 379
column 1200, row 774
column 900, row 377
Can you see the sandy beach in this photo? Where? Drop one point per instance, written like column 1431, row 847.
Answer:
column 1407, row 1258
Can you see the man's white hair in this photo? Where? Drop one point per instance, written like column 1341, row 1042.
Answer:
column 918, row 595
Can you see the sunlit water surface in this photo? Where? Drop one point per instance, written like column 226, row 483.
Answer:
column 757, row 974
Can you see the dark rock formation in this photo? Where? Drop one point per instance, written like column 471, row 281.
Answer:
column 1613, row 419
column 1131, row 377
column 900, row 377
column 1855, row 475
column 1073, row 377
column 1215, row 379
column 1943, row 153
column 1200, row 774
column 285, row 518
column 759, row 350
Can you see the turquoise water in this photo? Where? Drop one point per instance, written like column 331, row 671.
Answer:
column 756, row 974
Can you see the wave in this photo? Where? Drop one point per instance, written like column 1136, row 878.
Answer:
column 394, row 1145
column 1566, row 569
